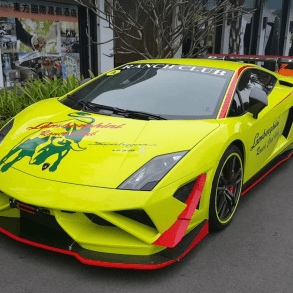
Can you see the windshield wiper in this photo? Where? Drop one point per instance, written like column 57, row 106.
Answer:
column 127, row 113
column 104, row 107
column 139, row 114
column 118, row 111
column 85, row 105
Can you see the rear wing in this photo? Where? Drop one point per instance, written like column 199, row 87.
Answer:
column 277, row 60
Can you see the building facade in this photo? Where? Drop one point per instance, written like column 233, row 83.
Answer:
column 50, row 38
column 267, row 31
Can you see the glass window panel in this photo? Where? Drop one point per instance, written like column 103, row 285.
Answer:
column 288, row 51
column 273, row 13
column 240, row 32
column 254, row 78
column 184, row 92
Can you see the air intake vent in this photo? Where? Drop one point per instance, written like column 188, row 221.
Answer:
column 98, row 220
column 285, row 83
column 288, row 124
column 183, row 192
column 139, row 216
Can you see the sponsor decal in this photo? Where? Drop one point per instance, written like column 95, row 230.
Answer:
column 259, row 138
column 48, row 125
column 189, row 68
column 125, row 147
column 267, row 144
column 54, row 139
column 122, row 144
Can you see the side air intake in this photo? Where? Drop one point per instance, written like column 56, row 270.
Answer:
column 288, row 124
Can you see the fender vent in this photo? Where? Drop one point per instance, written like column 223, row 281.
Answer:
column 285, row 83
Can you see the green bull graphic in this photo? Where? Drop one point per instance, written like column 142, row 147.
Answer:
column 43, row 144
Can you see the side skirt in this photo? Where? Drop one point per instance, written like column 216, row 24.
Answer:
column 266, row 170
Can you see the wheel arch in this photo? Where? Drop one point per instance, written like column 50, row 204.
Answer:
column 238, row 143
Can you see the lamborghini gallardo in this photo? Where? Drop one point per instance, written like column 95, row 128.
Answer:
column 133, row 168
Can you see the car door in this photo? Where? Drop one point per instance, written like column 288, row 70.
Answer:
column 260, row 134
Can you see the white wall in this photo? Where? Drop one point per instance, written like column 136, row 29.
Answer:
column 1, row 70
column 104, row 34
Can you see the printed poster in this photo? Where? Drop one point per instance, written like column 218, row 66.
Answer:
column 38, row 39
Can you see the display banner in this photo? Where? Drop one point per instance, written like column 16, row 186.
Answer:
column 36, row 9
column 36, row 38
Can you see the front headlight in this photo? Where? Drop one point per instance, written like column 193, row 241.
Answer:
column 149, row 175
column 5, row 130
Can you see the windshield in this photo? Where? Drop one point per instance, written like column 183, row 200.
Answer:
column 171, row 91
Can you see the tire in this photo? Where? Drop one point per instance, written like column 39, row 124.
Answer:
column 226, row 189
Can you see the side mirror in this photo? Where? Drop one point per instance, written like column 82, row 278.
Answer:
column 258, row 100
column 84, row 81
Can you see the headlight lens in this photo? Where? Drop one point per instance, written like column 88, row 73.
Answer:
column 149, row 175
column 5, row 130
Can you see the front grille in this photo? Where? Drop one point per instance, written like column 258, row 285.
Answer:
column 31, row 209
column 43, row 219
column 35, row 214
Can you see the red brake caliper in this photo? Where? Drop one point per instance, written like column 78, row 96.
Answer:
column 231, row 189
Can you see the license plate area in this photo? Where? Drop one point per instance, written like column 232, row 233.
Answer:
column 27, row 208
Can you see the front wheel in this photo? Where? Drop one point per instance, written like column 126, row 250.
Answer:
column 226, row 189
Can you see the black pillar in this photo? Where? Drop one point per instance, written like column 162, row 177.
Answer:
column 83, row 42
column 256, row 22
column 285, row 19
column 218, row 34
column 94, row 47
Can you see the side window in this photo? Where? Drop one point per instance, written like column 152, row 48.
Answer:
column 244, row 87
column 254, row 78
column 236, row 108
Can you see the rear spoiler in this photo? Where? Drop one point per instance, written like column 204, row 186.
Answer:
column 278, row 60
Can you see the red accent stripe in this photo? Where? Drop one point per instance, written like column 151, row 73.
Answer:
column 201, row 235
column 228, row 99
column 173, row 235
column 250, row 56
column 268, row 172
column 284, row 99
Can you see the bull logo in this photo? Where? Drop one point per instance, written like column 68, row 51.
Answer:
column 45, row 166
column 42, row 145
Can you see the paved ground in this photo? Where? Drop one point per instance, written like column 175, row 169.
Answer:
column 254, row 254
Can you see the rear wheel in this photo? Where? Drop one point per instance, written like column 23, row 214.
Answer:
column 226, row 189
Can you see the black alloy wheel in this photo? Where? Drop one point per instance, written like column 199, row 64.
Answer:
column 226, row 189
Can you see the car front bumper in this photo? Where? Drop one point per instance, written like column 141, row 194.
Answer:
column 53, row 215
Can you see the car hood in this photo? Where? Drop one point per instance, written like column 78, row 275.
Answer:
column 54, row 142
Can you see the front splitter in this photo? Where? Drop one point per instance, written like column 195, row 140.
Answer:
column 41, row 236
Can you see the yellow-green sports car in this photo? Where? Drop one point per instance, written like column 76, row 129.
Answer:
column 135, row 167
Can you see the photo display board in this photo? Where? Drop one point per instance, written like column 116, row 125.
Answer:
column 38, row 39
